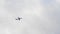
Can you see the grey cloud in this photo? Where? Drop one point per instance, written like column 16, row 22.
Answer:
column 39, row 17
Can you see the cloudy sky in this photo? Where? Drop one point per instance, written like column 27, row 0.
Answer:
column 38, row 16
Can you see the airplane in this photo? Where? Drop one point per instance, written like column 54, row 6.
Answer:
column 19, row 18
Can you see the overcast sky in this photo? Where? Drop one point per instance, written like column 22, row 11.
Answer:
column 38, row 16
